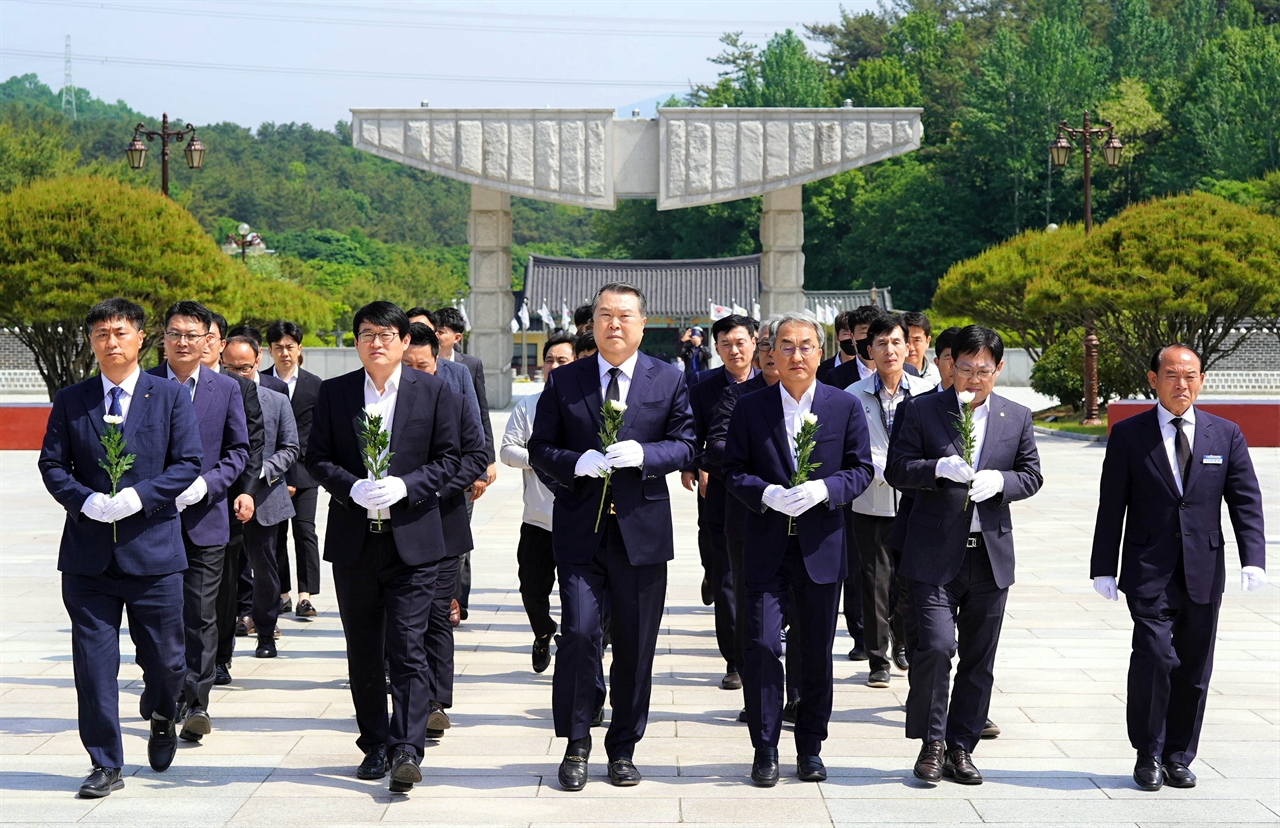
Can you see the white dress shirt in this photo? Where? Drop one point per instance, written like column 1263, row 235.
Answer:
column 126, row 386
column 624, row 379
column 793, row 412
column 980, row 418
column 865, row 370
column 387, row 402
column 289, row 383
column 192, row 381
column 1168, row 436
column 538, row 500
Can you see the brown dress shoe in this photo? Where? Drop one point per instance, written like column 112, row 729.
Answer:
column 455, row 613
column 929, row 762
column 958, row 765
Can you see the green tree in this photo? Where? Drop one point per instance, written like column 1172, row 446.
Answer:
column 1059, row 372
column 33, row 145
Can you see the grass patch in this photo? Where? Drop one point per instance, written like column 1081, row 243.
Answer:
column 1067, row 420
column 1076, row 428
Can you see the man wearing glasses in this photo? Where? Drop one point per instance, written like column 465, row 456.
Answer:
column 384, row 536
column 957, row 558
column 206, row 526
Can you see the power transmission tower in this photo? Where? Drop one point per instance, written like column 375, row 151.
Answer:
column 68, row 87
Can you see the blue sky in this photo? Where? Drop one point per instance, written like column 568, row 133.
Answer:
column 250, row 61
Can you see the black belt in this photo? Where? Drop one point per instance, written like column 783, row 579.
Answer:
column 374, row 529
column 975, row 540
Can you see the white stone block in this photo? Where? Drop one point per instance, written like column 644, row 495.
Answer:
column 572, row 150
column 675, row 158
column 369, row 132
column 595, row 159
column 547, row 156
column 391, row 136
column 495, row 150
column 751, row 152
column 855, row 140
column 801, row 147
column 828, row 143
column 777, row 150
column 442, row 136
column 471, row 147
column 725, row 167
column 699, row 157
column 521, row 171
column 881, row 136
column 417, row 140
column 902, row 133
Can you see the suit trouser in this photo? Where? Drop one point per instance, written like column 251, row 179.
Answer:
column 1173, row 639
column 260, row 546
column 704, row 539
column 228, row 593
column 463, row 590
column 973, row 605
column 637, row 598
column 95, row 603
column 853, row 585
column 795, row 647
column 384, row 604
column 536, row 565
column 306, row 548
column 815, row 607
column 200, row 584
column 721, row 575
column 439, row 642
column 881, row 616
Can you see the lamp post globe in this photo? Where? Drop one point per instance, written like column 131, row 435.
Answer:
column 1060, row 151
column 243, row 229
column 1112, row 149
column 194, row 153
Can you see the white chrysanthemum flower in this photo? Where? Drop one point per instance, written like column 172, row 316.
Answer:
column 372, row 410
column 617, row 406
column 966, row 397
column 810, row 418
column 112, row 419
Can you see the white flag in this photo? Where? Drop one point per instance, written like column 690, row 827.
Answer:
column 515, row 326
column 738, row 309
column 718, row 312
column 524, row 314
column 755, row 311
column 566, row 321
column 548, row 321
column 466, row 322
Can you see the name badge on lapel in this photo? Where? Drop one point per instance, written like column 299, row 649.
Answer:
column 1212, row 460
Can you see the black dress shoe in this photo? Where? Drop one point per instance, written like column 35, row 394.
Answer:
column 764, row 770
column 789, row 711
column 437, row 721
column 623, row 774
column 880, row 678
column 286, row 605
column 597, row 718
column 1178, row 775
column 375, row 764
column 731, row 681
column 929, row 762
column 404, row 771
column 242, row 627
column 1148, row 774
column 541, row 654
column 462, row 613
column 305, row 609
column 573, row 768
column 708, row 597
column 990, row 730
column 811, row 769
column 742, row 715
column 163, row 743
column 858, row 653
column 900, row 659
column 195, row 724
column 222, row 673
column 101, row 783
column 958, row 765
column 266, row 647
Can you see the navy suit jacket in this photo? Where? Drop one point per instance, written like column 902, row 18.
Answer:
column 704, row 396
column 476, row 367
column 305, row 392
column 713, row 457
column 758, row 454
column 425, row 454
column 1161, row 526
column 567, row 425
column 898, row 536
column 162, row 434
column 454, row 519
column 224, row 434
column 938, row 527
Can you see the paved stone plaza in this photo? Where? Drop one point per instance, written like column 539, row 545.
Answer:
column 283, row 747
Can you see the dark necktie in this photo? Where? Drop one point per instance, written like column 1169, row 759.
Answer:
column 1181, row 449
column 114, row 409
column 611, row 392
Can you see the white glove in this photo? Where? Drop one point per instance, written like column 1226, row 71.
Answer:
column 953, row 467
column 775, row 498
column 591, row 464
column 365, row 493
column 1105, row 586
column 123, row 505
column 95, row 507
column 804, row 497
column 387, row 491
column 1252, row 577
column 195, row 493
column 625, row 455
column 986, row 484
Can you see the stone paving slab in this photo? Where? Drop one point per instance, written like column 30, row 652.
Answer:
column 283, row 747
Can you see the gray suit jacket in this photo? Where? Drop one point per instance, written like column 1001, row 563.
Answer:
column 458, row 378
column 272, row 503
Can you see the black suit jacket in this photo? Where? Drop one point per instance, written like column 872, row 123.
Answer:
column 713, row 455
column 1161, row 525
column 248, row 482
column 846, row 373
column 305, row 393
column 425, row 455
column 453, row 498
column 476, row 367
column 704, row 396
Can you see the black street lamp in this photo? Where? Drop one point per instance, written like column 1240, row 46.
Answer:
column 1060, row 154
column 241, row 239
column 136, row 152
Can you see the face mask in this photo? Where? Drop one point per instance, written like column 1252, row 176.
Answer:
column 848, row 347
column 864, row 347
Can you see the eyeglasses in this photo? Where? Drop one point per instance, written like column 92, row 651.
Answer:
column 967, row 371
column 192, row 338
column 764, row 345
column 386, row 337
column 790, row 350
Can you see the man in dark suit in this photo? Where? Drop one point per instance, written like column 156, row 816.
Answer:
column 625, row 557
column 844, row 349
column 421, row 356
column 734, row 337
column 224, row 437
column 794, row 537
column 384, row 536
column 284, row 342
column 958, row 555
column 123, row 551
column 1165, row 477
column 862, row 365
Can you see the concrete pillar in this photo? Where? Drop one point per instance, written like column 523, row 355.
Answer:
column 490, row 304
column 782, row 262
